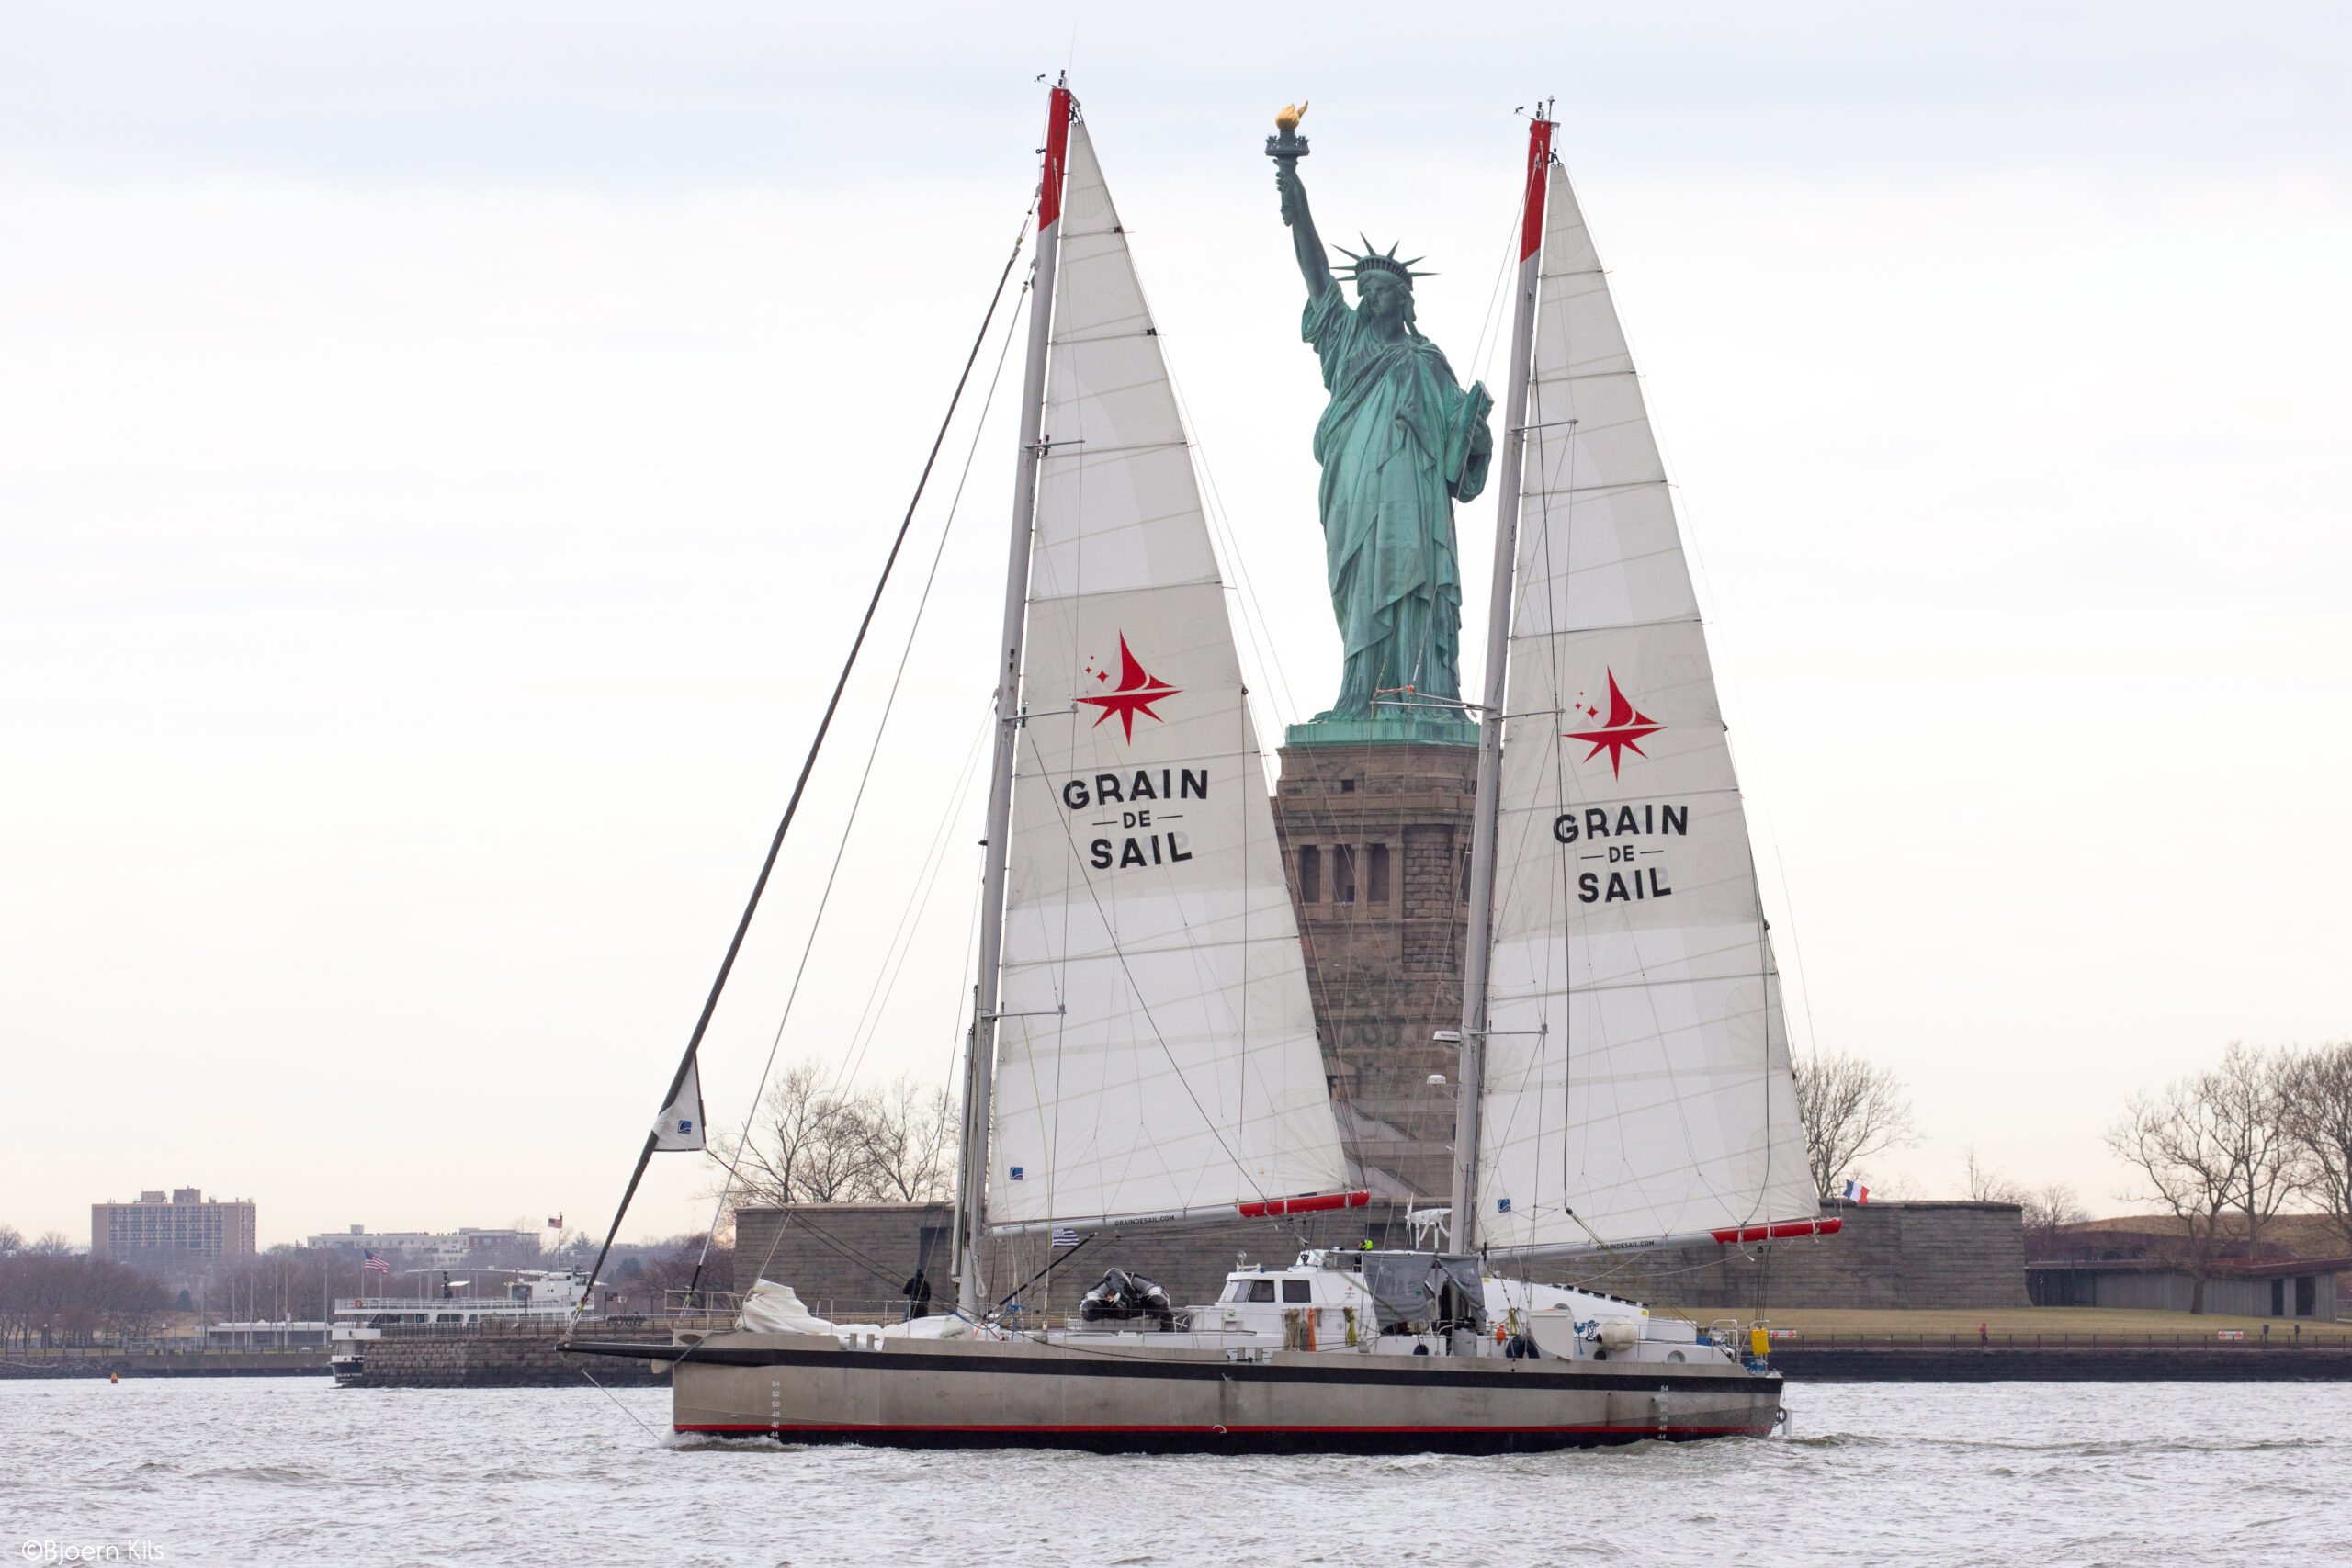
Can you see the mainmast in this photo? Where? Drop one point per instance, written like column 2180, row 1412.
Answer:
column 1470, row 1080
column 979, row 1073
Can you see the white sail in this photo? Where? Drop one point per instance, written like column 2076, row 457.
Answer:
column 1638, row 1082
column 1156, row 1053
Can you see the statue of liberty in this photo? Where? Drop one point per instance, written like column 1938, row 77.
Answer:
column 1399, row 443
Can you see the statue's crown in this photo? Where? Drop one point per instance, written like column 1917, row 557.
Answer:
column 1383, row 261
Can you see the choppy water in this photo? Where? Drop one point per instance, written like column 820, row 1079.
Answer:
column 285, row 1470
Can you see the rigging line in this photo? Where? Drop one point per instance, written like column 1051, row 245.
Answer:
column 815, row 746
column 1118, row 951
column 865, row 776
column 1221, row 524
column 792, row 806
column 901, row 947
column 1686, row 529
column 955, row 503
column 1490, row 337
column 624, row 1409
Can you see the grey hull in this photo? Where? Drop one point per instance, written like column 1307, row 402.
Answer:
column 1128, row 1398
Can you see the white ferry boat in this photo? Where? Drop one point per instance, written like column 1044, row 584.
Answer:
column 532, row 1295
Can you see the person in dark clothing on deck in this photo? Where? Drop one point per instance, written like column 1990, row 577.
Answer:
column 918, row 1293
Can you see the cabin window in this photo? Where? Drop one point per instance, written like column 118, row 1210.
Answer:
column 1343, row 874
column 1376, row 872
column 1310, row 875
column 1298, row 1290
column 1253, row 1289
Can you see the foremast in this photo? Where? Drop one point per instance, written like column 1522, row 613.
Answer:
column 1478, row 952
column 980, row 1052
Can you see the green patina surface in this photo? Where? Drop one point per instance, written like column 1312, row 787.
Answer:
column 1400, row 441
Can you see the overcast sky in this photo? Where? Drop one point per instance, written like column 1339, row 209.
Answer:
column 443, row 448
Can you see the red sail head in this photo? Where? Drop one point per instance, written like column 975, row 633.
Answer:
column 1539, row 159
column 1049, row 197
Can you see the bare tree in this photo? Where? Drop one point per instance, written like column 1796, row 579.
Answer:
column 909, row 1129
column 1850, row 1109
column 815, row 1142
column 2246, row 1095
column 2319, row 1126
column 2049, row 1210
column 1988, row 1184
column 52, row 1244
column 2180, row 1149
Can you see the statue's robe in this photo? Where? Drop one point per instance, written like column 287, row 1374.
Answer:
column 1399, row 443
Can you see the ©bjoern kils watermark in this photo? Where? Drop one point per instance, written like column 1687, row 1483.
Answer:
column 90, row 1551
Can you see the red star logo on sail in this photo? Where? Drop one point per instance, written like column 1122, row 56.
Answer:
column 1626, row 726
column 1134, row 693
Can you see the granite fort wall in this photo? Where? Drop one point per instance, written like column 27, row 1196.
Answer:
column 500, row 1361
column 849, row 1260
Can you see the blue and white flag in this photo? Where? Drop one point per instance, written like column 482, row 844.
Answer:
column 1065, row 1236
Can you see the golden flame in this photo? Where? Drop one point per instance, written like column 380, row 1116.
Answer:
column 1287, row 117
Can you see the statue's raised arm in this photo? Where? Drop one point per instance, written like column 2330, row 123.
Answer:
column 1313, row 264
column 1400, row 441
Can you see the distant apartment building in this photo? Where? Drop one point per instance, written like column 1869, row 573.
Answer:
column 185, row 1228
column 443, row 1248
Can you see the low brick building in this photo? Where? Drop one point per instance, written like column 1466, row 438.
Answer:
column 2291, row 1288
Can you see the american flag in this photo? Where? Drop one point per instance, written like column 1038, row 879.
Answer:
column 1065, row 1236
column 376, row 1265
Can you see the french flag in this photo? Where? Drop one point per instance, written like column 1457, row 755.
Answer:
column 1857, row 1193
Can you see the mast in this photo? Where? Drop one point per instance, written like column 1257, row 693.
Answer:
column 980, row 1055
column 1470, row 1079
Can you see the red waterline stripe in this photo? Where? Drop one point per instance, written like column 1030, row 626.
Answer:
column 1275, row 1208
column 1785, row 1228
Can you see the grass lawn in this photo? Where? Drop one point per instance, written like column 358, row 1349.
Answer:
column 2054, row 1324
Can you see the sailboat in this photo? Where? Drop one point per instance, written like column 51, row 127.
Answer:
column 1143, row 1047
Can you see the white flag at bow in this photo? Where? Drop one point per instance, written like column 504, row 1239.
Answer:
column 680, row 1124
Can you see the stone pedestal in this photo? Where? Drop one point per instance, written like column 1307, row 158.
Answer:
column 1377, row 841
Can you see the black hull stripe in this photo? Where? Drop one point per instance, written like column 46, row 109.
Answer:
column 1437, row 1376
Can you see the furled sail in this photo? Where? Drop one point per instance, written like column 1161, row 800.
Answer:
column 1637, row 1083
column 1156, row 1051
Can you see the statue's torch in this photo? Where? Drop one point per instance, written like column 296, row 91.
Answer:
column 1287, row 145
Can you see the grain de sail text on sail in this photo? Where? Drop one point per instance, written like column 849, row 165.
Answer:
column 1591, row 833
column 1141, row 805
